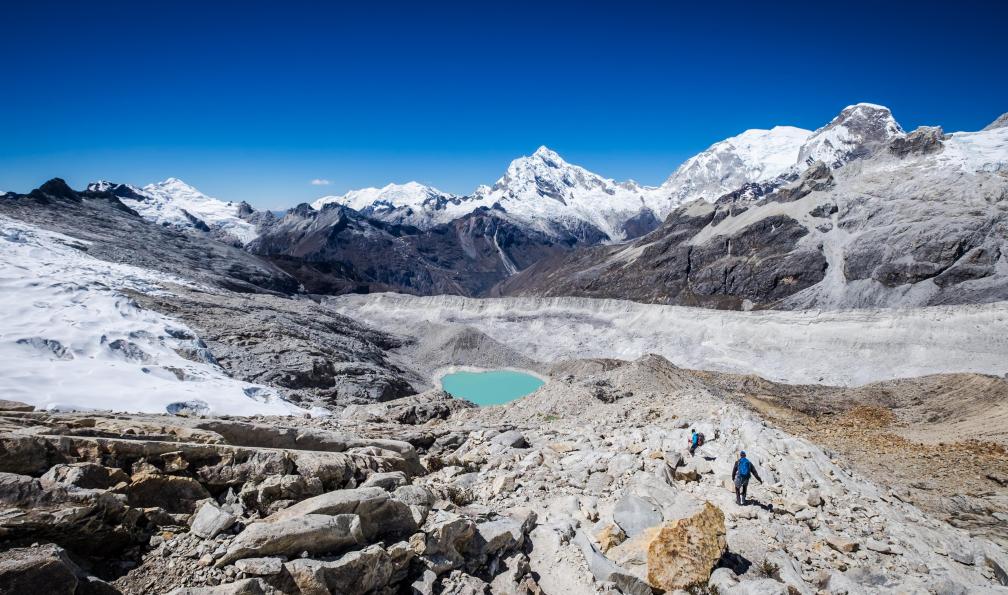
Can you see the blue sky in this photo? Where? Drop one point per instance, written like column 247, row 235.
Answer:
column 252, row 101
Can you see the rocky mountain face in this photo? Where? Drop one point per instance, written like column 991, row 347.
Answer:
column 116, row 232
column 173, row 203
column 892, row 219
column 340, row 250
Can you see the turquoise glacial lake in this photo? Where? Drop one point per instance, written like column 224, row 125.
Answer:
column 494, row 387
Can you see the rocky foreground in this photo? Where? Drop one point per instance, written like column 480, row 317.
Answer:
column 583, row 487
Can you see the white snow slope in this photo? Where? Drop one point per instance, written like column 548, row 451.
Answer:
column 70, row 340
column 168, row 202
column 753, row 156
column 849, row 347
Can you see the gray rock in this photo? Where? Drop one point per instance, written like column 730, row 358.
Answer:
column 635, row 514
column 379, row 514
column 511, row 438
column 387, row 481
column 210, row 520
column 84, row 475
column 313, row 533
column 362, row 571
column 25, row 570
column 494, row 538
column 605, row 570
column 260, row 566
column 447, row 535
column 418, row 498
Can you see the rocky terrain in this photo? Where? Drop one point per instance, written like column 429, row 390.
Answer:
column 582, row 487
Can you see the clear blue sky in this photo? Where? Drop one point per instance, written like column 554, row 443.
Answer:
column 249, row 100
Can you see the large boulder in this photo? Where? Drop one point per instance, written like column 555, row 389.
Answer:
column 84, row 475
column 210, row 520
column 676, row 555
column 380, row 515
column 447, row 534
column 364, row 571
column 312, row 533
column 25, row 570
column 47, row 569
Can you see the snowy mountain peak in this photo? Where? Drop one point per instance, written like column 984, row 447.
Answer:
column 856, row 132
column 755, row 155
column 174, row 203
column 388, row 197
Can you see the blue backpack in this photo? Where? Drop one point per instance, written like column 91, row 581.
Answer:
column 744, row 467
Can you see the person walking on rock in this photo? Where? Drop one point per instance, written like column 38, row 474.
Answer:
column 741, row 472
column 695, row 441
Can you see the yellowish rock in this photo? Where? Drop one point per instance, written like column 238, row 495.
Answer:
column 678, row 554
column 609, row 537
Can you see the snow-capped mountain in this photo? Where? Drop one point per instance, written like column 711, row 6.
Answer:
column 411, row 203
column 174, row 203
column 920, row 219
column 753, row 156
column 856, row 132
column 549, row 194
column 540, row 191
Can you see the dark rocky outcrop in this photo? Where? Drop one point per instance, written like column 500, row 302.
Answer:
column 338, row 250
column 924, row 140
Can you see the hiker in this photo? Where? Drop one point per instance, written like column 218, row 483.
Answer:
column 740, row 474
column 695, row 441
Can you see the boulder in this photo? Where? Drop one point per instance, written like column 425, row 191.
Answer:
column 84, row 475
column 312, row 533
column 605, row 570
column 511, row 438
column 418, row 498
column 678, row 554
column 387, row 481
column 362, row 571
column 210, row 520
column 25, row 570
column 260, row 566
column 493, row 538
column 789, row 573
column 634, row 514
column 379, row 514
column 447, row 534
column 172, row 493
column 334, row 470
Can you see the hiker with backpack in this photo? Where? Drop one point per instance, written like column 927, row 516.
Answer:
column 741, row 472
column 696, row 441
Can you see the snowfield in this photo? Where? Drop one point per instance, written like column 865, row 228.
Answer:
column 849, row 347
column 71, row 340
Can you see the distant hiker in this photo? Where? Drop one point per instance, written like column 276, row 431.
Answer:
column 740, row 474
column 696, row 441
